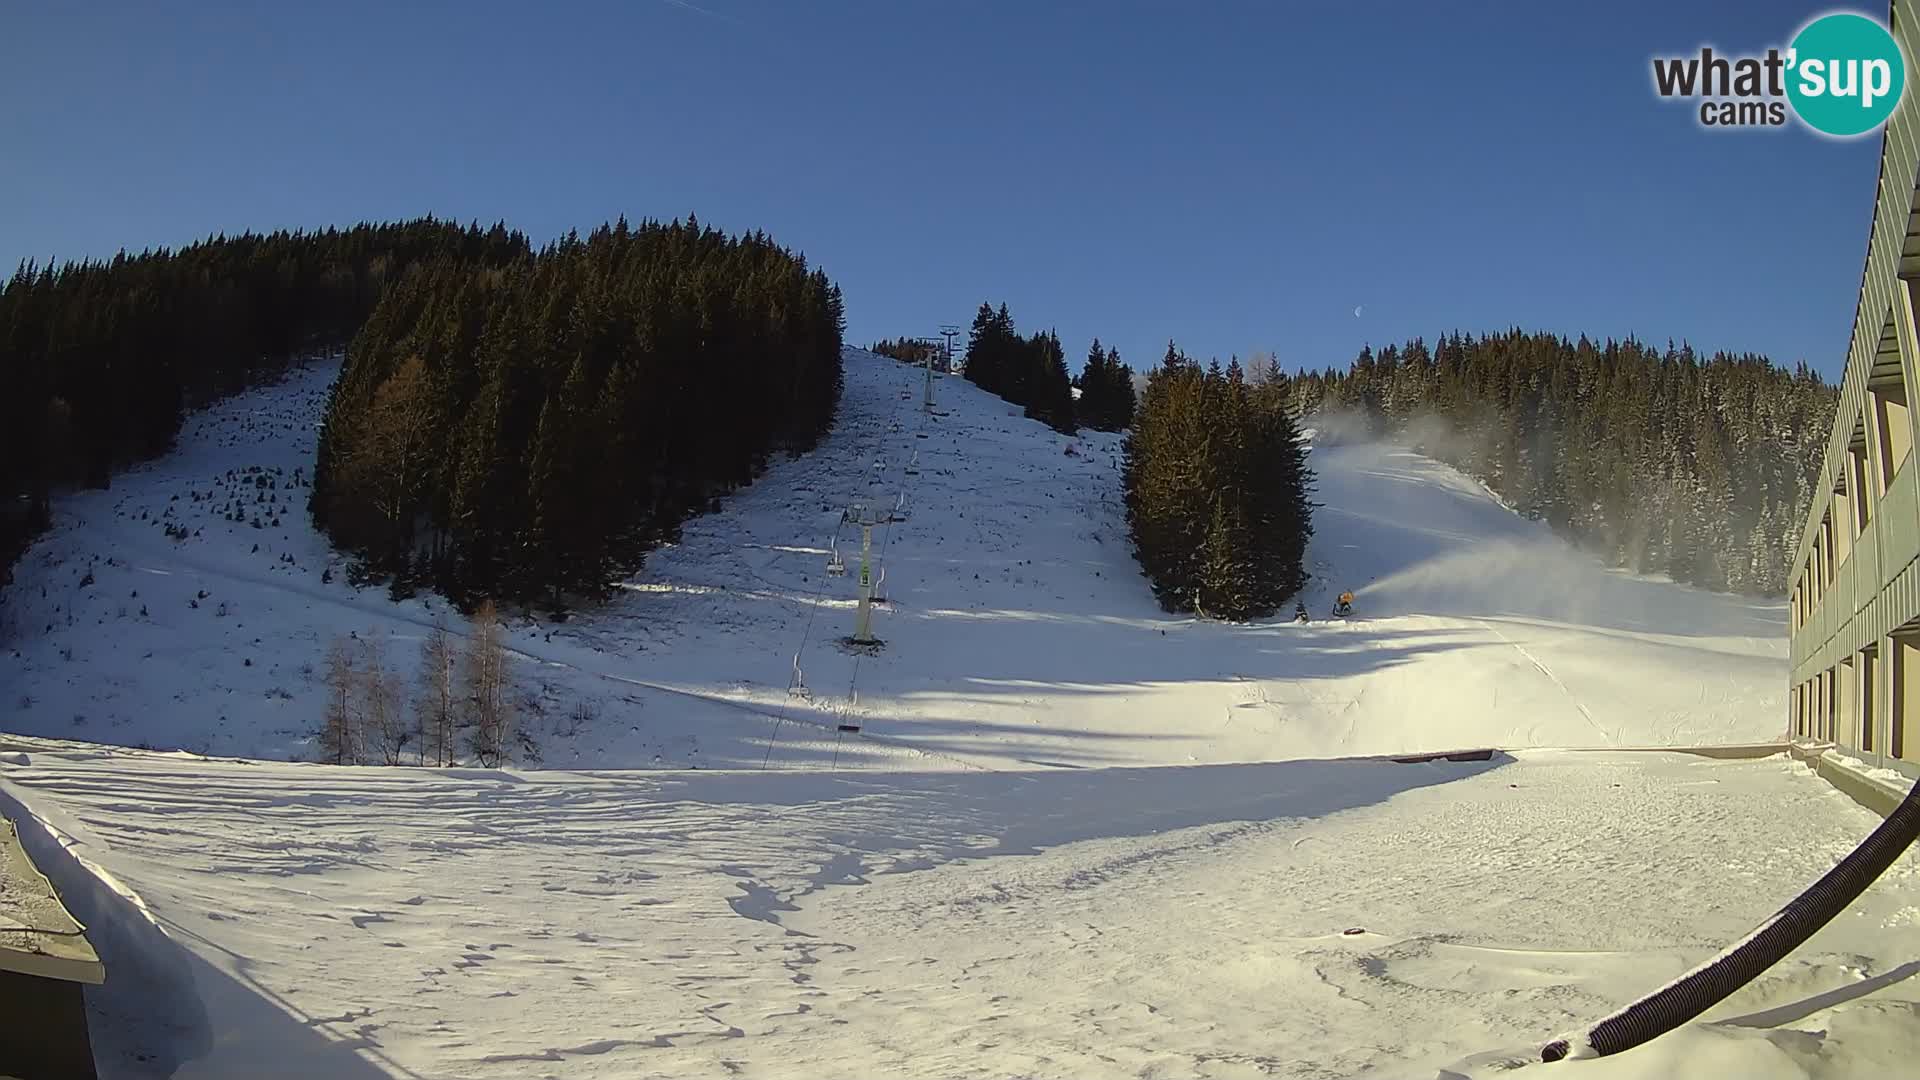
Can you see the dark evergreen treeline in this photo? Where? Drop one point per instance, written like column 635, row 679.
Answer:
column 1217, row 490
column 910, row 350
column 1106, row 391
column 1657, row 459
column 526, row 431
column 1028, row 371
column 98, row 360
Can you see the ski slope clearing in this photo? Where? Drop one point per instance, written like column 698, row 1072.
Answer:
column 1188, row 921
column 1018, row 630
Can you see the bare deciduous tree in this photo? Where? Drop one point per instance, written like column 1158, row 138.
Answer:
column 339, row 731
column 486, row 682
column 388, row 452
column 386, row 722
column 438, row 708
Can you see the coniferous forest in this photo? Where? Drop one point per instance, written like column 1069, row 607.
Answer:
column 1027, row 371
column 100, row 360
column 525, row 431
column 1658, row 460
column 1217, row 489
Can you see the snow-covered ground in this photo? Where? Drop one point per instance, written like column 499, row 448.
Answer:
column 1159, row 922
column 1076, row 836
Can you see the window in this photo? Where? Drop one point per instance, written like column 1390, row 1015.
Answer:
column 1829, row 697
column 1869, row 658
column 1901, row 703
column 1857, row 482
column 1841, row 520
column 1887, row 393
column 1846, row 702
column 1893, row 427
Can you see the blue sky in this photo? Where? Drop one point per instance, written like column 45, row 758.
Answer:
column 1238, row 176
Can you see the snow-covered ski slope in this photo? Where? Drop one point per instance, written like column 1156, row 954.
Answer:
column 936, row 895
column 1018, row 630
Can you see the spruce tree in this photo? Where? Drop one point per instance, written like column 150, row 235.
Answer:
column 1217, row 491
column 1120, row 395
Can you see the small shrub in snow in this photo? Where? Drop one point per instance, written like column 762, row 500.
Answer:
column 582, row 715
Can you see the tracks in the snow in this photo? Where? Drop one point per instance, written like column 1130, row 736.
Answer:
column 1578, row 705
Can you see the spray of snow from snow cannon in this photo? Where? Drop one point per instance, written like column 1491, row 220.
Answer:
column 1703, row 987
column 1529, row 577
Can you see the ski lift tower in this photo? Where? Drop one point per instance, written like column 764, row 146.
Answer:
column 949, row 331
column 927, row 404
column 863, row 516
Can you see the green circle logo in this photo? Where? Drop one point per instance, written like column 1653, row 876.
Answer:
column 1845, row 74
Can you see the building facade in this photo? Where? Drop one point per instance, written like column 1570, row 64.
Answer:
column 1854, row 600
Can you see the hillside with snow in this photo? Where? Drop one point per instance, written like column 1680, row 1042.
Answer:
column 190, row 605
column 1074, row 835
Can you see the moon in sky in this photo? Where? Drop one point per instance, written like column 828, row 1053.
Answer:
column 1356, row 310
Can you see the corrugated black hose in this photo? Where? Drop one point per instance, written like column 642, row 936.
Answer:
column 1700, row 989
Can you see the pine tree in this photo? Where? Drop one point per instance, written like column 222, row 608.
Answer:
column 1106, row 391
column 1226, row 586
column 1095, row 385
column 1050, row 391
